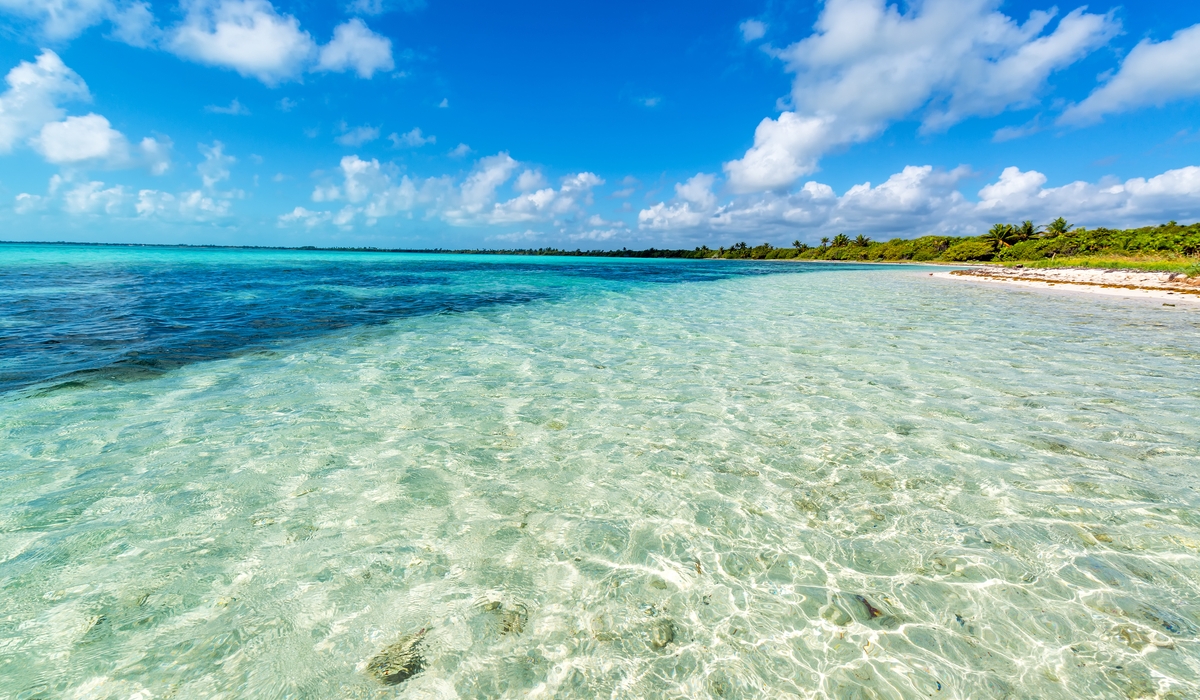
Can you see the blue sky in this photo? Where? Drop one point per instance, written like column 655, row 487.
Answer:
column 427, row 123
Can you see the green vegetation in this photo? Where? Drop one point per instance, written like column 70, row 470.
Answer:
column 1168, row 247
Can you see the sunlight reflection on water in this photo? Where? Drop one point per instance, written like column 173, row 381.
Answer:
column 842, row 484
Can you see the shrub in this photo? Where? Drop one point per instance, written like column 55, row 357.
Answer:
column 968, row 250
column 1025, row 250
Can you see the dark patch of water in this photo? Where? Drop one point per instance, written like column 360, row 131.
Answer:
column 71, row 322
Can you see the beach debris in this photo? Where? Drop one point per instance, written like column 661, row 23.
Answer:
column 400, row 661
column 662, row 633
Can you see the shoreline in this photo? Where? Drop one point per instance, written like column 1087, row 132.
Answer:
column 1128, row 284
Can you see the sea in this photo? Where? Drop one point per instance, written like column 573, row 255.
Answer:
column 256, row 473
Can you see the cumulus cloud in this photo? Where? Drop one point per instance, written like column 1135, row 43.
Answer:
column 78, row 139
column 94, row 197
column 373, row 190
column 193, row 205
column 539, row 205
column 78, row 197
column 923, row 200
column 248, row 36
column 411, row 139
column 205, row 204
column 370, row 189
column 1152, row 74
column 306, row 217
column 355, row 46
column 868, row 64
column 30, row 112
column 35, row 92
column 254, row 39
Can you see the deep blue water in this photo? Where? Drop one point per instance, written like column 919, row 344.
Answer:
column 71, row 314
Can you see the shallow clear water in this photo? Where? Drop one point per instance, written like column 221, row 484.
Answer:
column 606, row 479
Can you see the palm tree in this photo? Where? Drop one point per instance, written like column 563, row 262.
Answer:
column 1058, row 227
column 841, row 240
column 825, row 242
column 862, row 241
column 1026, row 231
column 796, row 245
column 999, row 235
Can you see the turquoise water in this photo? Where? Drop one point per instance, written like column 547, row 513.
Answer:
column 588, row 479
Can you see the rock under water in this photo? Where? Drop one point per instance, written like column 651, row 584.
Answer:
column 400, row 661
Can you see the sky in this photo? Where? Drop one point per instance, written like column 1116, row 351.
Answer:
column 456, row 124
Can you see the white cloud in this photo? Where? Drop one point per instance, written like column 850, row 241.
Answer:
column 479, row 189
column 1152, row 74
column 248, row 36
column 445, row 103
column 784, row 149
column 1174, row 194
column 411, row 139
column 539, row 205
column 530, row 180
column 286, row 104
column 193, row 205
column 752, row 30
column 156, row 154
column 460, row 151
column 34, row 93
column 868, row 65
column 235, row 108
column 94, row 198
column 78, row 139
column 134, row 24
column 88, row 139
column 308, row 218
column 355, row 46
column 358, row 135
column 698, row 190
column 921, row 200
column 60, row 19
column 215, row 168
column 374, row 190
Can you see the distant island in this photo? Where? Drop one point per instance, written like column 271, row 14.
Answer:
column 1169, row 247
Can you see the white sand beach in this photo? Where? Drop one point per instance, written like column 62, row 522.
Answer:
column 1172, row 288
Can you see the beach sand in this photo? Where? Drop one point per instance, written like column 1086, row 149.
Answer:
column 1171, row 288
